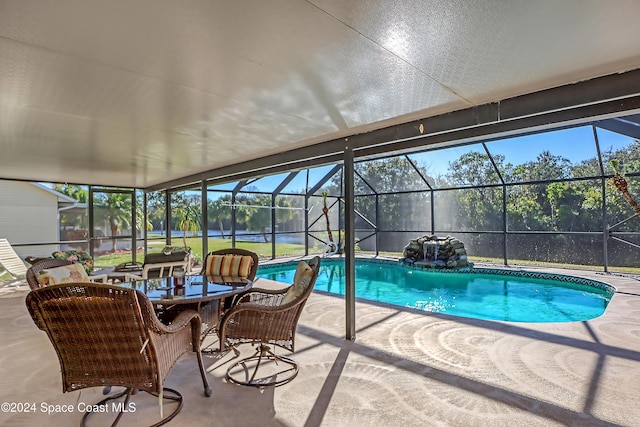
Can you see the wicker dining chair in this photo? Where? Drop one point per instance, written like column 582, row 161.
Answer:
column 208, row 267
column 232, row 251
column 107, row 335
column 266, row 318
column 45, row 263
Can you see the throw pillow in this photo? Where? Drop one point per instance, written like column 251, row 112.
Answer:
column 229, row 265
column 301, row 280
column 64, row 274
column 78, row 256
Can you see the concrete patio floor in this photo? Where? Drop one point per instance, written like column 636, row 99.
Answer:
column 406, row 368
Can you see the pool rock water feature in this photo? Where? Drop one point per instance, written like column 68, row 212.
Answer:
column 436, row 252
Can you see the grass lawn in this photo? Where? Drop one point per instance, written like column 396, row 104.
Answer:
column 195, row 243
column 522, row 262
column 285, row 249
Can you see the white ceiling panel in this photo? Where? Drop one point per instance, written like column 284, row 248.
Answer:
column 486, row 50
column 140, row 92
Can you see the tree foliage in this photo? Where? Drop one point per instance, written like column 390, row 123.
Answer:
column 475, row 193
column 259, row 218
column 114, row 210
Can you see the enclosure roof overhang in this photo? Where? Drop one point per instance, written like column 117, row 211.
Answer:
column 150, row 94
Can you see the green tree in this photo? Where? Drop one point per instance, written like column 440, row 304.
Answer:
column 141, row 221
column 188, row 220
column 479, row 207
column 565, row 202
column 219, row 211
column 259, row 218
column 528, row 205
column 114, row 209
column 398, row 212
column 79, row 193
column 156, row 209
column 545, row 167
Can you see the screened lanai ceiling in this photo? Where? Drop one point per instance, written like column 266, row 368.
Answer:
column 140, row 93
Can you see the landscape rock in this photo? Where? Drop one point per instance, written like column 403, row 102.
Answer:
column 436, row 252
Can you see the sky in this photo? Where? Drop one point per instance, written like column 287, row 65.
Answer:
column 576, row 144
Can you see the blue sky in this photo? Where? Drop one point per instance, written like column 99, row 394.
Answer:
column 576, row 144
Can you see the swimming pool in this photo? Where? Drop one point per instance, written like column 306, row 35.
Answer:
column 480, row 293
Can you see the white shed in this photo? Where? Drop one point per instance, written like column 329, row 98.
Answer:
column 29, row 214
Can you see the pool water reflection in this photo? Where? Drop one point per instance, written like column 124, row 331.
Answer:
column 489, row 294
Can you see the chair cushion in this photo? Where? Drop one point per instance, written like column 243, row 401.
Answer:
column 228, row 265
column 301, row 281
column 63, row 274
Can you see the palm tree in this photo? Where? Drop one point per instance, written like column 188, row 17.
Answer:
column 115, row 210
column 621, row 184
column 218, row 212
column 140, row 219
column 189, row 221
column 325, row 212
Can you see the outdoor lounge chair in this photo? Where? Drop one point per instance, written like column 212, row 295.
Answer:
column 107, row 335
column 51, row 263
column 12, row 263
column 160, row 265
column 265, row 318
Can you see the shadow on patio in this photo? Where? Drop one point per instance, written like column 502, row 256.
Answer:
column 406, row 368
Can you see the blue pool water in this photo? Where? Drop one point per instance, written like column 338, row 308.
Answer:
column 489, row 294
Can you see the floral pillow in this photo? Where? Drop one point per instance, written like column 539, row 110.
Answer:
column 71, row 273
column 81, row 257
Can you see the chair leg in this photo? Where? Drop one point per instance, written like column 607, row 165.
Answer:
column 123, row 407
column 104, row 402
column 262, row 356
column 210, row 348
column 207, row 389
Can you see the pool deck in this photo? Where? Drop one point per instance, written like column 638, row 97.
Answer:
column 405, row 368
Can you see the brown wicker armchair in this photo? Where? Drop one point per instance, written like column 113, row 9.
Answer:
column 107, row 335
column 232, row 251
column 45, row 263
column 266, row 317
column 208, row 268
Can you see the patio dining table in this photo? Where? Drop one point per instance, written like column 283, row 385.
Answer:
column 202, row 293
